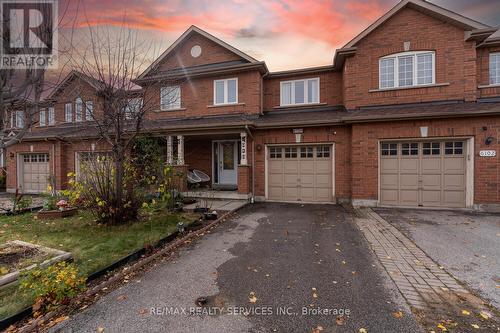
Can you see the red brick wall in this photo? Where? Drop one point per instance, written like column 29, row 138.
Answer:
column 210, row 53
column 365, row 152
column 483, row 71
column 197, row 97
column 330, row 88
column 198, row 154
column 455, row 61
column 339, row 135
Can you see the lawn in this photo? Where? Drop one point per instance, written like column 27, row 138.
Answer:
column 93, row 246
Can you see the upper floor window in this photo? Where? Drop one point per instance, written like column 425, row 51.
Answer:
column 133, row 107
column 407, row 69
column 300, row 92
column 68, row 112
column 226, row 91
column 43, row 117
column 17, row 119
column 78, row 109
column 170, row 98
column 495, row 68
column 51, row 115
column 89, row 110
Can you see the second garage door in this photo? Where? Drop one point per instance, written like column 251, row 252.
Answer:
column 300, row 173
column 426, row 174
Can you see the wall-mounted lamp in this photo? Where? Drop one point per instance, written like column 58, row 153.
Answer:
column 489, row 140
column 259, row 147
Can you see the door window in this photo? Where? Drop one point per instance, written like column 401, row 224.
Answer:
column 228, row 156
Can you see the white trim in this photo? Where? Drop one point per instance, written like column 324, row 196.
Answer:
column 414, row 55
column 490, row 77
column 469, row 174
column 226, row 91
column 184, row 36
column 213, row 161
column 306, row 92
column 173, row 105
column 424, row 5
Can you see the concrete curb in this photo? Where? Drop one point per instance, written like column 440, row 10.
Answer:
column 35, row 324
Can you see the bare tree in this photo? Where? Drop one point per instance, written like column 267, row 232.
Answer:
column 114, row 58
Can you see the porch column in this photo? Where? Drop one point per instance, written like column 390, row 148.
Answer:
column 180, row 150
column 170, row 157
column 243, row 151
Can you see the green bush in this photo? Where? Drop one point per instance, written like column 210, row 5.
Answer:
column 52, row 286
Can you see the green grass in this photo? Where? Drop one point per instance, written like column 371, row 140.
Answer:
column 93, row 246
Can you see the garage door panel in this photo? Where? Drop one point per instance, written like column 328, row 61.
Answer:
column 307, row 180
column 431, row 181
column 406, row 181
column 389, row 164
column 408, row 165
column 324, row 194
column 456, row 182
column 275, row 193
column 324, row 181
column 454, row 198
column 454, row 165
column 389, row 197
column 275, row 167
column 290, row 180
column 307, row 167
column 307, row 194
column 323, row 167
column 431, row 165
column 291, row 194
column 389, row 181
column 276, row 180
column 431, row 198
column 409, row 197
column 291, row 166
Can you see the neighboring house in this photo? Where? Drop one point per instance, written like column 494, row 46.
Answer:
column 408, row 114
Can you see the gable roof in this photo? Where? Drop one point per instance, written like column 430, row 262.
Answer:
column 95, row 83
column 425, row 7
column 194, row 29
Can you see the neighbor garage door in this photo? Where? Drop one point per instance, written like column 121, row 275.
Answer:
column 35, row 172
column 427, row 174
column 300, row 173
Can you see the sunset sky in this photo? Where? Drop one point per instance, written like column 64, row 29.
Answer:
column 286, row 34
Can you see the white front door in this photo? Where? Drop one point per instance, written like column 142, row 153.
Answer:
column 228, row 162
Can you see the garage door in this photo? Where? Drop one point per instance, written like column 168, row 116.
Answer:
column 426, row 174
column 35, row 172
column 300, row 173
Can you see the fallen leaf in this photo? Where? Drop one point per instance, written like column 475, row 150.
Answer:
column 317, row 329
column 143, row 311
column 60, row 319
column 441, row 327
column 100, row 329
column 252, row 298
column 485, row 315
column 465, row 312
column 343, row 262
column 340, row 320
column 363, row 330
column 397, row 314
column 121, row 298
column 474, row 325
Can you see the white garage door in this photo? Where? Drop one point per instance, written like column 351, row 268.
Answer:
column 300, row 173
column 34, row 177
column 426, row 174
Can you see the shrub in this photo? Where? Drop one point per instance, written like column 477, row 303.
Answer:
column 52, row 286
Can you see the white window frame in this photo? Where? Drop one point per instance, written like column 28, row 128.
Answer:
column 51, row 116
column 68, row 112
column 78, row 110
column 396, row 57
column 133, row 107
column 494, row 80
column 89, row 110
column 226, row 91
column 43, row 118
column 176, row 105
column 19, row 119
column 306, row 92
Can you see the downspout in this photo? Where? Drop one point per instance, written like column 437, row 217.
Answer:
column 252, row 199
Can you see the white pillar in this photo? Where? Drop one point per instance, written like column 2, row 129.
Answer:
column 243, row 150
column 170, row 156
column 180, row 150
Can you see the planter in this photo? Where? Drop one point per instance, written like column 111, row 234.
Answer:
column 55, row 214
column 200, row 210
column 210, row 216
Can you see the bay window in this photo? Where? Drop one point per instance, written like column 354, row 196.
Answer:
column 299, row 92
column 407, row 69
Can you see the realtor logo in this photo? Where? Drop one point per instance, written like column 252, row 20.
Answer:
column 29, row 33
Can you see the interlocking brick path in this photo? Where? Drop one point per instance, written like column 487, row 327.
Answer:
column 421, row 281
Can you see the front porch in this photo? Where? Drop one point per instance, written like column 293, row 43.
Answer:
column 222, row 157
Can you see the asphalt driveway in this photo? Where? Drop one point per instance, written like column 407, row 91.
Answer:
column 466, row 244
column 308, row 262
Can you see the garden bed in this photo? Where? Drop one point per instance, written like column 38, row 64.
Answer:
column 56, row 214
column 17, row 256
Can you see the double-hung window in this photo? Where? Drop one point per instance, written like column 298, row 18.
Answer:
column 133, row 108
column 407, row 69
column 299, row 92
column 170, row 98
column 17, row 119
column 51, row 115
column 68, row 112
column 78, row 109
column 495, row 68
column 43, row 117
column 226, row 91
column 89, row 110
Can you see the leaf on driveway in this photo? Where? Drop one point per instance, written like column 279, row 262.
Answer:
column 315, row 295
column 317, row 329
column 100, row 329
column 121, row 298
column 252, row 298
column 441, row 327
column 476, row 326
column 363, row 330
column 465, row 312
column 343, row 262
column 485, row 315
column 340, row 320
column 59, row 319
column 397, row 314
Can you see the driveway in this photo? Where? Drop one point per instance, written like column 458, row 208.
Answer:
column 308, row 261
column 466, row 244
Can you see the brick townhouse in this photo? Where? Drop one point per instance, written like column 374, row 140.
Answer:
column 407, row 114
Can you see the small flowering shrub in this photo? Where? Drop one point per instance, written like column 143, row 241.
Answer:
column 52, row 286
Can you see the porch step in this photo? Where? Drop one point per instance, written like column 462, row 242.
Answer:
column 217, row 205
column 229, row 195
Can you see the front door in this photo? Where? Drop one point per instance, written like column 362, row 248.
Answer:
column 228, row 162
